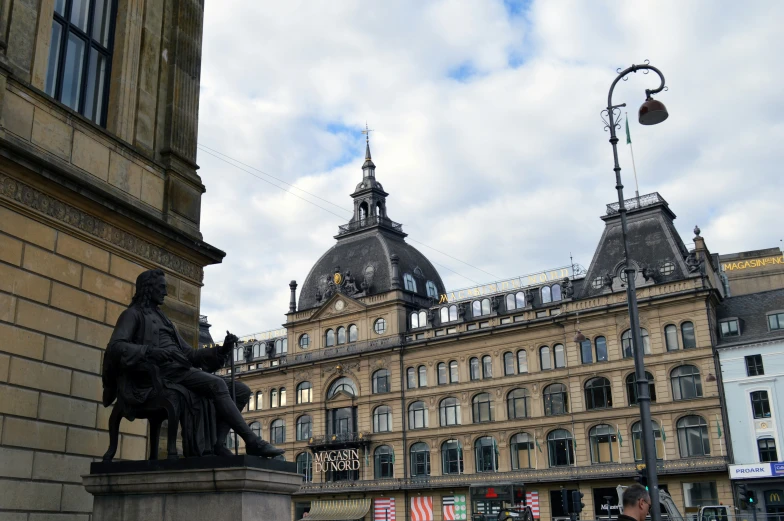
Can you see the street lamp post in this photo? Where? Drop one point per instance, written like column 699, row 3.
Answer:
column 651, row 112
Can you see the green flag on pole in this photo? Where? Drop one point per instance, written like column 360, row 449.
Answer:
column 392, row 459
column 620, row 438
column 718, row 427
column 537, row 445
column 663, row 434
column 628, row 136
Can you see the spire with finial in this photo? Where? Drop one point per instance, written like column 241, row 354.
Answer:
column 368, row 168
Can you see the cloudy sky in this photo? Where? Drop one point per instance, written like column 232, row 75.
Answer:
column 487, row 131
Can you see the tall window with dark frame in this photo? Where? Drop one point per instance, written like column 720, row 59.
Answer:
column 451, row 457
column 381, row 381
column 686, row 383
column 586, row 354
column 473, row 366
column 80, row 56
column 383, row 459
column 382, row 419
column 522, row 451
column 766, row 447
column 304, row 392
column 602, row 439
column 417, row 415
column 693, row 437
column 487, row 367
column 555, row 400
column 688, row 336
column 305, row 465
column 420, row 460
column 598, row 394
column 637, row 441
column 449, row 412
column 509, row 363
column 754, row 365
column 518, row 403
column 411, row 382
column 278, row 432
column 600, row 344
column 671, row 337
column 482, row 405
column 560, row 448
column 760, row 405
column 626, row 342
column 454, row 376
column 486, row 454
column 304, row 427
column 422, row 371
column 776, row 321
column 545, row 361
column 522, row 361
column 441, row 369
column 631, row 388
column 559, row 356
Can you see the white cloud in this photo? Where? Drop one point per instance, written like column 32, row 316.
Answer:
column 488, row 135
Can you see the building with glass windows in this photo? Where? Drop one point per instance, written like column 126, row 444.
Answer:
column 751, row 352
column 406, row 394
column 99, row 108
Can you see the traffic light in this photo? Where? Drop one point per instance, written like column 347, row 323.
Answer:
column 750, row 495
column 565, row 501
column 642, row 476
column 577, row 502
column 743, row 495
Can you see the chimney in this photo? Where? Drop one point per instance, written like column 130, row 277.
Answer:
column 293, row 300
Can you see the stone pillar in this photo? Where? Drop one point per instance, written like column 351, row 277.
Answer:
column 394, row 259
column 293, row 300
column 239, row 488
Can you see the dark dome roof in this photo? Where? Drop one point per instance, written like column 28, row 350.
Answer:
column 367, row 257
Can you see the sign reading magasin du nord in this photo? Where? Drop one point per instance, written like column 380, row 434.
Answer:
column 336, row 460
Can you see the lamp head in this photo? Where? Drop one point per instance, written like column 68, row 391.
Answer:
column 652, row 112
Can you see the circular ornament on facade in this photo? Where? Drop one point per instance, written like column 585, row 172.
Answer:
column 339, row 305
column 597, row 283
column 667, row 268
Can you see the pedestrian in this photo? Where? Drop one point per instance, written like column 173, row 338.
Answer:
column 636, row 503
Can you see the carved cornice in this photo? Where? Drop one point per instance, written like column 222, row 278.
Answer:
column 65, row 213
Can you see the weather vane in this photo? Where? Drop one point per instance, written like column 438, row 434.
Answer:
column 367, row 132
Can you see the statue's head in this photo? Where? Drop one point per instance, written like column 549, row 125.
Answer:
column 150, row 289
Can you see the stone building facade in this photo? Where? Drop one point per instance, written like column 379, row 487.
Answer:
column 98, row 127
column 434, row 391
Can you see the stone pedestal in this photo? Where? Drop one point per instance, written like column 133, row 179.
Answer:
column 239, row 488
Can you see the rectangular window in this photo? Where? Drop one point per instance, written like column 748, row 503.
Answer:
column 541, row 314
column 506, row 320
column 754, row 365
column 439, row 332
column 451, row 330
column 700, row 494
column 776, row 321
column 80, row 55
column 472, row 327
column 760, row 405
column 730, row 328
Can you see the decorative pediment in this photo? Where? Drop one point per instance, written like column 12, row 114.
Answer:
column 337, row 305
column 341, row 399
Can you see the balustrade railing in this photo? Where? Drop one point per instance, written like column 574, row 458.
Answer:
column 636, row 202
column 371, row 220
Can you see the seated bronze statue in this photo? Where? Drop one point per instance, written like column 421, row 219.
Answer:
column 151, row 372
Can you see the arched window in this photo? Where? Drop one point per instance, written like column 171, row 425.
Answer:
column 420, row 459
column 255, row 428
column 252, row 402
column 304, row 428
column 555, row 400
column 522, row 450
column 556, row 292
column 432, row 291
column 522, row 361
column 341, row 335
column 486, row 454
column 586, row 353
column 693, row 437
column 487, row 367
column 766, row 448
column 482, row 408
column 546, row 295
column 559, row 356
column 631, row 387
column 257, row 350
column 687, row 334
column 409, row 282
column 486, row 306
column 509, row 363
column 443, row 315
column 330, row 338
column 411, row 378
column 449, row 412
column 545, row 361
column 515, row 301
column 626, row 342
column 304, row 342
column 281, row 346
column 602, row 439
column 473, row 365
column 278, row 432
column 344, row 384
column 560, row 448
column 598, row 394
column 304, row 392
column 441, row 369
column 422, row 319
column 476, row 308
column 686, row 383
column 518, row 403
column 510, row 302
column 417, row 415
column 383, row 462
column 282, row 396
column 671, row 337
column 451, row 457
column 352, row 333
column 637, row 441
column 452, row 313
column 414, row 320
column 274, row 398
column 305, row 465
column 453, row 374
column 382, row 419
column 239, row 354
column 341, row 421
column 259, row 400
column 381, row 381
column 600, row 344
column 422, row 371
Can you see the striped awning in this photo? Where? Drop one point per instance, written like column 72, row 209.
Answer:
column 338, row 510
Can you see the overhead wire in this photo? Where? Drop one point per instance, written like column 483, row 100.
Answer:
column 214, row 153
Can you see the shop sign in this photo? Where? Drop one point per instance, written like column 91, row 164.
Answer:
column 777, row 469
column 758, row 470
column 774, row 498
column 336, row 460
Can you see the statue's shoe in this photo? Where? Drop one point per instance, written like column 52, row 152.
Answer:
column 221, row 450
column 259, row 447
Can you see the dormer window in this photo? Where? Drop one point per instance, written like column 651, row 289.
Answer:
column 729, row 327
column 432, row 291
column 409, row 283
column 776, row 321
